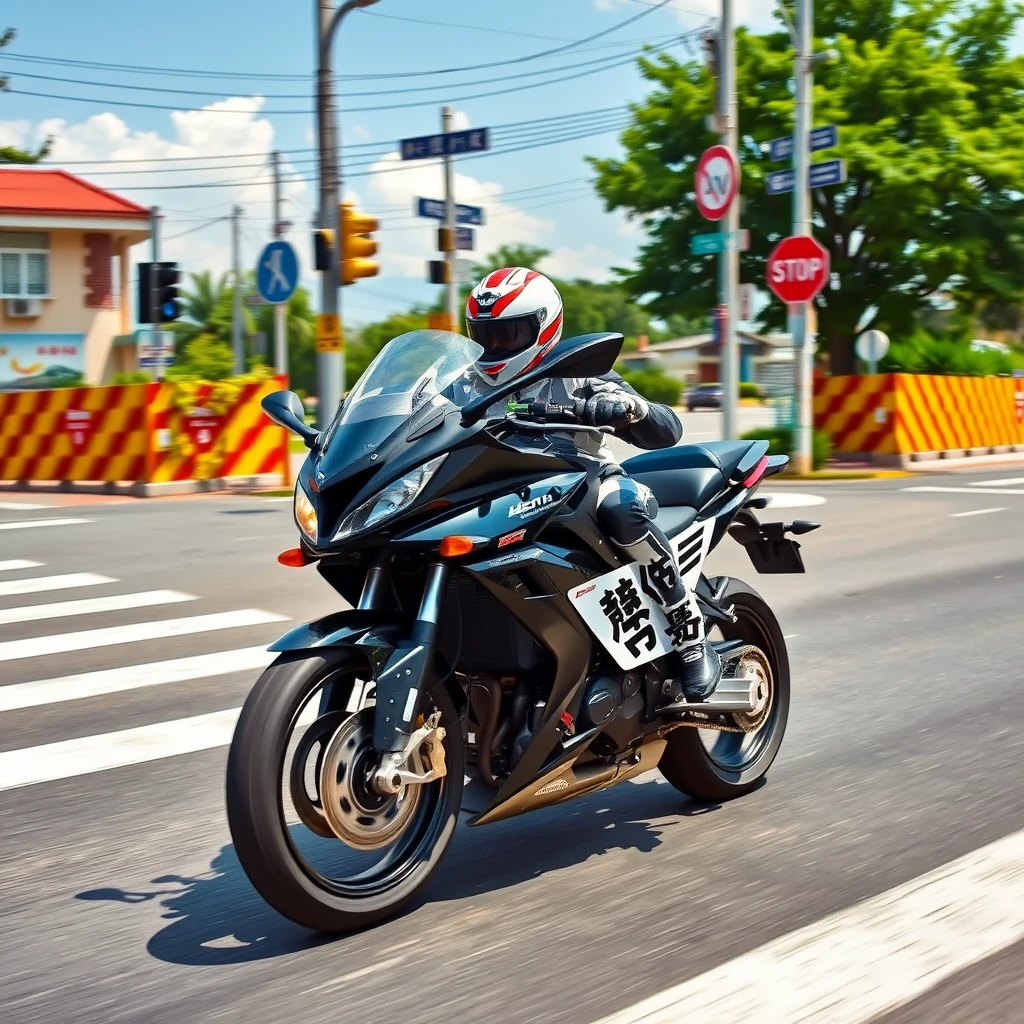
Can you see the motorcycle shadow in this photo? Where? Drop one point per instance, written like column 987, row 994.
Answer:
column 218, row 919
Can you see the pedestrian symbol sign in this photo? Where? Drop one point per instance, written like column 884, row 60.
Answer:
column 277, row 272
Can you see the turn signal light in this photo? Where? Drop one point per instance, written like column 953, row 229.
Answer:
column 452, row 547
column 294, row 557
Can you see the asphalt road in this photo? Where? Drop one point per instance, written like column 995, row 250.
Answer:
column 122, row 899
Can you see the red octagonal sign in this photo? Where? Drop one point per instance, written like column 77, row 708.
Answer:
column 798, row 269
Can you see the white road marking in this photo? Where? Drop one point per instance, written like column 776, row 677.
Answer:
column 132, row 677
column 18, row 506
column 19, row 563
column 92, row 606
column 110, row 636
column 30, row 524
column 961, row 490
column 792, row 499
column 40, row 584
column 975, row 512
column 1014, row 481
column 790, row 636
column 859, row 963
column 69, row 758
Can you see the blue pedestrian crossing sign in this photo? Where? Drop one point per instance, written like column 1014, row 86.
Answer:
column 277, row 273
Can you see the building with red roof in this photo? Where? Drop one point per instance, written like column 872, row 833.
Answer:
column 65, row 274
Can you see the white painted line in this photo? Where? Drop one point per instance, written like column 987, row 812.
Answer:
column 790, row 636
column 132, row 677
column 792, row 499
column 92, row 606
column 975, row 512
column 40, row 584
column 69, row 758
column 19, row 563
column 18, row 506
column 89, row 639
column 1014, row 481
column 859, row 963
column 31, row 524
column 960, row 490
column 279, row 499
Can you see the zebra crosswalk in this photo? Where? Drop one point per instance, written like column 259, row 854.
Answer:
column 101, row 617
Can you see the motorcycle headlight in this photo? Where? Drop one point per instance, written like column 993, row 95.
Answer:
column 392, row 499
column 305, row 514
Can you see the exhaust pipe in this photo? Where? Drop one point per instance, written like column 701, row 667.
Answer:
column 734, row 693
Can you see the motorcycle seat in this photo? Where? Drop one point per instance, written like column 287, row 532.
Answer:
column 688, row 475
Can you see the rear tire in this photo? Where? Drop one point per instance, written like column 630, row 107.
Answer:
column 264, row 842
column 687, row 763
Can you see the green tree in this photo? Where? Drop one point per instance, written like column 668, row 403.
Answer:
column 11, row 154
column 927, row 100
column 373, row 337
column 206, row 357
column 300, row 332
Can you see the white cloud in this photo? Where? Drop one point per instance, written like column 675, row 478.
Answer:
column 407, row 242
column 755, row 14
column 591, row 262
column 229, row 147
column 460, row 121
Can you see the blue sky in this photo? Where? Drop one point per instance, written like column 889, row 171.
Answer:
column 250, row 65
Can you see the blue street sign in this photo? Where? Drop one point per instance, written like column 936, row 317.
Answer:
column 464, row 238
column 719, row 241
column 434, row 208
column 472, row 140
column 821, row 138
column 831, row 172
column 277, row 272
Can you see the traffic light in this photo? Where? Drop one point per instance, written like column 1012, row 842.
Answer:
column 357, row 245
column 323, row 243
column 158, row 293
column 437, row 272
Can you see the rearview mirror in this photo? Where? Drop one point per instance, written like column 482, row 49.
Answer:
column 588, row 355
column 285, row 408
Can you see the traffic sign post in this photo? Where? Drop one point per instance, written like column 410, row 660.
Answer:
column 277, row 272
column 871, row 347
column 434, row 209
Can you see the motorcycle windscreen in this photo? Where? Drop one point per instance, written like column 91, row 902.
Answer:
column 406, row 378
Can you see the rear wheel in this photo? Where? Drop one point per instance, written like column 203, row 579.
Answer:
column 318, row 841
column 711, row 765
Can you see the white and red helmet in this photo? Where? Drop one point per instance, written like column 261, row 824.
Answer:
column 515, row 315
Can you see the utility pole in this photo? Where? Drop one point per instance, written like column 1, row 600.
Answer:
column 452, row 286
column 803, row 343
column 730, row 258
column 237, row 340
column 281, row 308
column 330, row 365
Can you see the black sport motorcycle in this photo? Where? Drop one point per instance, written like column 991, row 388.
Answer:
column 498, row 655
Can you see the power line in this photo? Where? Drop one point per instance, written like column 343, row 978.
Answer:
column 137, row 68
column 198, row 227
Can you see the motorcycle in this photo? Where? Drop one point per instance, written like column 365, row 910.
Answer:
column 498, row 655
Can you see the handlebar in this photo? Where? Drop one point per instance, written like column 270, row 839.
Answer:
column 546, row 412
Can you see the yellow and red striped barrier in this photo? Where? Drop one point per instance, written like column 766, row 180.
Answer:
column 902, row 414
column 143, row 433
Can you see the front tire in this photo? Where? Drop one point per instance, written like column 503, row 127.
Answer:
column 273, row 849
column 732, row 764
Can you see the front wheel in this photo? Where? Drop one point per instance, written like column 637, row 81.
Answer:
column 716, row 766
column 320, row 844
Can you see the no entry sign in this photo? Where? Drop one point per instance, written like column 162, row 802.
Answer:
column 798, row 269
column 718, row 178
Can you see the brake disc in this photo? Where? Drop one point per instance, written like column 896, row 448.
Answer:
column 310, row 807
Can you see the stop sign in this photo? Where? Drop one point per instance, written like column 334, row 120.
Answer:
column 798, row 269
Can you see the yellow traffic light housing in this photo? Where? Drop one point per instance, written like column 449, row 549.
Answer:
column 357, row 245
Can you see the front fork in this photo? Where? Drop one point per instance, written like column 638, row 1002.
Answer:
column 401, row 682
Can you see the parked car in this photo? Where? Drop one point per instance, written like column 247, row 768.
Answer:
column 704, row 396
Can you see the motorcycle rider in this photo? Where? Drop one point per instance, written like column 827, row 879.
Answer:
column 515, row 315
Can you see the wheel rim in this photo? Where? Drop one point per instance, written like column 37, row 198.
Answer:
column 403, row 834
column 734, row 752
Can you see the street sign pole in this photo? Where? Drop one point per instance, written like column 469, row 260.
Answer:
column 730, row 258
column 803, row 343
column 452, row 286
column 281, row 308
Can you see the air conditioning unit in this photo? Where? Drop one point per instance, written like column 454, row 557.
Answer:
column 22, row 308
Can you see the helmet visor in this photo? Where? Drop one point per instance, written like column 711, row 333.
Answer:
column 503, row 338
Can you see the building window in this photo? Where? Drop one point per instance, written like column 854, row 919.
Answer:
column 24, row 264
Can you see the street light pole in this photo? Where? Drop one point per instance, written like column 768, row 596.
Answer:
column 330, row 366
column 803, row 342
